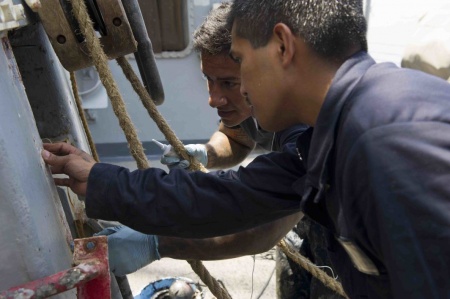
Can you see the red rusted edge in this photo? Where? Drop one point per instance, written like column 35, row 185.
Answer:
column 91, row 275
column 94, row 249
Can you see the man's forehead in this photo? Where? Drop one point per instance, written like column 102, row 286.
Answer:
column 222, row 75
column 234, row 40
column 218, row 61
column 218, row 68
column 235, row 47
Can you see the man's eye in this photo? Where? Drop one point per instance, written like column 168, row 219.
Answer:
column 206, row 77
column 235, row 59
column 229, row 84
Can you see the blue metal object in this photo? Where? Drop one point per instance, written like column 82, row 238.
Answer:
column 161, row 287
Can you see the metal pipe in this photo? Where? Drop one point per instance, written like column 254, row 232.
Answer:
column 144, row 54
column 57, row 283
column 90, row 276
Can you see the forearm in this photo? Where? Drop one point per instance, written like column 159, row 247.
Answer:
column 195, row 204
column 228, row 147
column 252, row 241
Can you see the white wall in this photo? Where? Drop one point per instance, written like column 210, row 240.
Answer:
column 392, row 24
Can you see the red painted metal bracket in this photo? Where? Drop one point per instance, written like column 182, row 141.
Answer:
column 90, row 276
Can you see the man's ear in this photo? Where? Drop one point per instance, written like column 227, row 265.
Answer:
column 285, row 40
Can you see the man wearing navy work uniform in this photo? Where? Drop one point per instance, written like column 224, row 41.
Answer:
column 237, row 135
column 377, row 161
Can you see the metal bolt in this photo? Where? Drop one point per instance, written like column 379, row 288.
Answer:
column 61, row 39
column 90, row 245
column 117, row 22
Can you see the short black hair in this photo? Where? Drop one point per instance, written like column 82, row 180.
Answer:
column 329, row 27
column 213, row 36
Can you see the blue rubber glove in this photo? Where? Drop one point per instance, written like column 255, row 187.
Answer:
column 172, row 160
column 129, row 250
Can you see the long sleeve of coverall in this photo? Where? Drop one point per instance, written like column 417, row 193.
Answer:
column 197, row 204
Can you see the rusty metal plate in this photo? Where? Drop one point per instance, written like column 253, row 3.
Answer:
column 93, row 253
column 72, row 53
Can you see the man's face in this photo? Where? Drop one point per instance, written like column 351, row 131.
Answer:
column 223, row 77
column 260, row 81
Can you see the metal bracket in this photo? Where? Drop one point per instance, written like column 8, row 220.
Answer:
column 110, row 19
column 91, row 275
column 93, row 251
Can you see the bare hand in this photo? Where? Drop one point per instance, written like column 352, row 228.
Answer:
column 67, row 159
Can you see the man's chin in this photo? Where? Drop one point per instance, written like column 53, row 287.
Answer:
column 268, row 125
column 231, row 122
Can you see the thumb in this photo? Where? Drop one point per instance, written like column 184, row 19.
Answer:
column 56, row 162
column 108, row 231
column 45, row 155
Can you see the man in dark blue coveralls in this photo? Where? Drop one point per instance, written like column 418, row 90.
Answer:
column 377, row 161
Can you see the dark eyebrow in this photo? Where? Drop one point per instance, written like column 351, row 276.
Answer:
column 223, row 78
column 230, row 54
column 228, row 79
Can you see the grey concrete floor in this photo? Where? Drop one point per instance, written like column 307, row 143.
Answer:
column 248, row 277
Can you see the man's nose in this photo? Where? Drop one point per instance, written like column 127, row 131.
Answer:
column 216, row 98
column 243, row 90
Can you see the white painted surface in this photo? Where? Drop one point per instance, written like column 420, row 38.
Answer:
column 202, row 2
column 393, row 24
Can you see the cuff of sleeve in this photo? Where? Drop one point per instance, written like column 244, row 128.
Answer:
column 156, row 255
column 98, row 195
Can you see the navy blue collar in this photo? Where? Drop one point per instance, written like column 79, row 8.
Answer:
column 323, row 137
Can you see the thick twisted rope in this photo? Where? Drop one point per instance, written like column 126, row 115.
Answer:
column 198, row 267
column 216, row 288
column 101, row 63
column 162, row 124
column 311, row 268
column 76, row 95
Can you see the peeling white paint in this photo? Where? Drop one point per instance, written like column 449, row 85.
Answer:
column 86, row 267
column 23, row 294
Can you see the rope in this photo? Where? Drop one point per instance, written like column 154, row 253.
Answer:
column 198, row 267
column 156, row 116
column 215, row 287
column 311, row 268
column 76, row 95
column 101, row 63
